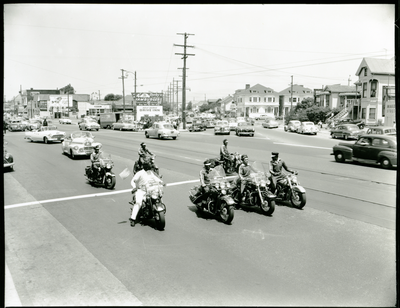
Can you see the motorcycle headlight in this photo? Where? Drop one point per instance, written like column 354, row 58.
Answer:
column 223, row 185
column 228, row 185
column 108, row 166
column 223, row 192
column 217, row 185
column 263, row 183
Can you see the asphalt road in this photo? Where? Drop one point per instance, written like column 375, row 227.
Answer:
column 69, row 243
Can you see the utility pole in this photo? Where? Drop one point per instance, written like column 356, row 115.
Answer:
column 123, row 87
column 185, row 55
column 291, row 98
column 177, row 97
column 135, row 92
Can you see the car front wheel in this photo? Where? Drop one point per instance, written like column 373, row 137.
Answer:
column 339, row 157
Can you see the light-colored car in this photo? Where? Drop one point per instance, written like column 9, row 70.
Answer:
column 89, row 124
column 16, row 125
column 270, row 123
column 245, row 128
column 233, row 124
column 382, row 130
column 161, row 130
column 8, row 159
column 46, row 134
column 292, row 126
column 78, row 143
column 65, row 121
column 307, row 128
column 34, row 124
column 222, row 127
column 124, row 125
column 346, row 131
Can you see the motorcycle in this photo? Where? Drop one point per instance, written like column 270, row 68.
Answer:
column 151, row 159
column 153, row 207
column 219, row 202
column 256, row 191
column 105, row 175
column 289, row 189
column 230, row 165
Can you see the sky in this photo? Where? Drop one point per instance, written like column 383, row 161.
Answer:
column 48, row 46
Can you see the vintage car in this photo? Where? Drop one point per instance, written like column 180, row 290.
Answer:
column 382, row 130
column 65, row 121
column 359, row 123
column 209, row 123
column 292, row 126
column 78, row 143
column 270, row 123
column 89, row 124
column 233, row 124
column 197, row 126
column 34, row 124
column 15, row 125
column 307, row 128
column 124, row 125
column 161, row 130
column 346, row 131
column 245, row 128
column 222, row 127
column 46, row 134
column 369, row 148
column 8, row 159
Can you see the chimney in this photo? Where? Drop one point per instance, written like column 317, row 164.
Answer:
column 247, row 86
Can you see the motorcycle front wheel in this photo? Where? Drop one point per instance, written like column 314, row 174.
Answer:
column 226, row 214
column 110, row 182
column 298, row 199
column 160, row 220
column 268, row 207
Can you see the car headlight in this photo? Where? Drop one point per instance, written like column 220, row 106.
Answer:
column 75, row 148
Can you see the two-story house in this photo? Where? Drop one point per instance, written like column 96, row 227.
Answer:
column 376, row 81
column 256, row 100
column 295, row 92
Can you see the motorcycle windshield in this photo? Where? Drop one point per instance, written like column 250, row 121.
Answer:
column 257, row 172
column 106, row 158
column 217, row 174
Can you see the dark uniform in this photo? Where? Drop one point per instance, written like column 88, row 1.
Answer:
column 275, row 169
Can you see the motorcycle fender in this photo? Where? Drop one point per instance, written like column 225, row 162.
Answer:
column 299, row 189
column 159, row 207
column 110, row 174
column 228, row 199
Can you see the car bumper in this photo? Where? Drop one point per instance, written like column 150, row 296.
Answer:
column 55, row 138
column 245, row 132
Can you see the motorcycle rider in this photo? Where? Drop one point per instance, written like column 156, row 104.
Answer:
column 143, row 153
column 224, row 154
column 139, row 182
column 275, row 169
column 244, row 172
column 95, row 159
column 204, row 190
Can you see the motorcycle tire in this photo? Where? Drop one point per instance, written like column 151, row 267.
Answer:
column 268, row 207
column 298, row 199
column 109, row 182
column 226, row 214
column 160, row 220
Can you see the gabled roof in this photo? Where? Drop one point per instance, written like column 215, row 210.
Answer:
column 338, row 88
column 297, row 89
column 377, row 66
column 256, row 88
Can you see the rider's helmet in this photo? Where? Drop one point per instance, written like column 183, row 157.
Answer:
column 274, row 154
column 244, row 156
column 207, row 162
column 97, row 146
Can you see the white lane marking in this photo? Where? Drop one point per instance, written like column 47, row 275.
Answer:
column 302, row 145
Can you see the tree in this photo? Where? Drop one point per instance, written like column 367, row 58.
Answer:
column 189, row 106
column 112, row 97
column 203, row 108
column 68, row 89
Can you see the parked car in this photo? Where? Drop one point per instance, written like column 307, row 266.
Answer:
column 209, row 123
column 124, row 125
column 197, row 126
column 359, row 123
column 307, row 128
column 369, row 148
column 346, row 131
column 8, row 159
column 382, row 130
column 270, row 123
column 78, row 143
column 46, row 134
column 34, row 124
column 245, row 128
column 161, row 130
column 222, row 127
column 16, row 125
column 265, row 116
column 232, row 124
column 292, row 126
column 65, row 121
column 89, row 124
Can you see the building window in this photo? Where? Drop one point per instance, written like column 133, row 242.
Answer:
column 265, row 99
column 250, row 99
column 269, row 99
column 374, row 86
column 364, row 89
column 365, row 71
column 363, row 113
column 255, row 99
column 372, row 112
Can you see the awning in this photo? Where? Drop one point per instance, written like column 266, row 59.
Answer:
column 349, row 94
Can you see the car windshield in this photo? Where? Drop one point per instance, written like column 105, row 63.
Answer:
column 81, row 135
column 45, row 128
column 168, row 126
column 308, row 123
column 243, row 123
column 390, row 131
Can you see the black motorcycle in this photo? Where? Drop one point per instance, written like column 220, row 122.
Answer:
column 151, row 160
column 104, row 176
column 289, row 189
column 219, row 202
column 256, row 192
column 230, row 165
column 153, row 207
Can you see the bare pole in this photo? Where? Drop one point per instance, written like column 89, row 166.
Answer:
column 185, row 55
column 123, row 87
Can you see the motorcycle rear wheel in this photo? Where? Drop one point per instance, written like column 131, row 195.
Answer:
column 160, row 220
column 298, row 199
column 110, row 182
column 226, row 214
